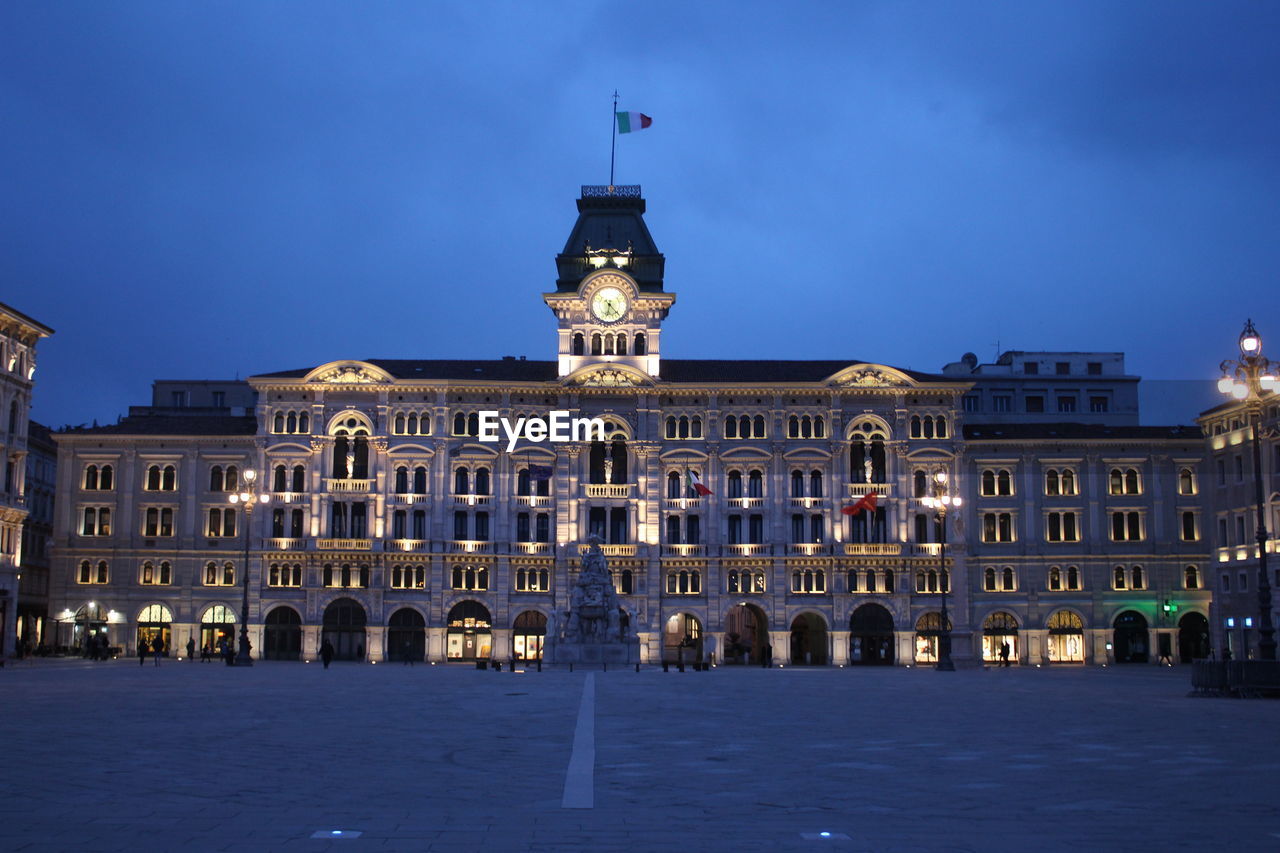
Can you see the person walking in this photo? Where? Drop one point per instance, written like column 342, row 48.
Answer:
column 191, row 649
column 406, row 650
column 205, row 653
column 157, row 648
column 326, row 653
column 1004, row 654
column 144, row 648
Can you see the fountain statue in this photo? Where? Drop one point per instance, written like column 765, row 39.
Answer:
column 595, row 628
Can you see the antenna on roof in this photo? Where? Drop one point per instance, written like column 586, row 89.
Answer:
column 613, row 136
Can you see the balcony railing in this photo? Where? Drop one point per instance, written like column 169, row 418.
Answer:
column 408, row 498
column 613, row 550
column 925, row 549
column 747, row 550
column 406, row 545
column 349, row 485
column 288, row 497
column 278, row 544
column 684, row 550
column 607, row 490
column 470, row 546
column 682, row 503
column 344, row 544
column 872, row 549
column 857, row 490
column 808, row 503
column 530, row 548
column 472, row 500
column 807, row 549
column 745, row 503
column 535, row 501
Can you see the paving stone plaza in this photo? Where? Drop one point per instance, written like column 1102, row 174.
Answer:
column 191, row 756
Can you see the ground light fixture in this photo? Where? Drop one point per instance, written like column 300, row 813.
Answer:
column 248, row 498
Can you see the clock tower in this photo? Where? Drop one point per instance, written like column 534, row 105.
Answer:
column 609, row 302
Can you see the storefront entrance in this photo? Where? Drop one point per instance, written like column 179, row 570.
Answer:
column 469, row 632
column 530, row 631
column 153, row 624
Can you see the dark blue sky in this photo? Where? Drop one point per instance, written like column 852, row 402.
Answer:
column 196, row 190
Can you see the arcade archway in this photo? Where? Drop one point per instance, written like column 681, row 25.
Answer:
column 808, row 640
column 282, row 634
column 871, row 636
column 344, row 624
column 530, row 630
column 469, row 632
column 406, row 636
column 154, row 623
column 1000, row 629
column 1130, row 643
column 746, row 632
column 682, row 638
column 1193, row 638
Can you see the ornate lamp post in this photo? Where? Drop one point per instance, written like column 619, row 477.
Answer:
column 248, row 497
column 940, row 502
column 1247, row 380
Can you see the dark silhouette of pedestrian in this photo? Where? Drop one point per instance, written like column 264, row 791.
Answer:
column 407, row 651
column 1004, row 654
column 227, row 652
column 766, row 656
column 191, row 649
column 326, row 653
column 206, row 653
column 157, row 649
column 144, row 649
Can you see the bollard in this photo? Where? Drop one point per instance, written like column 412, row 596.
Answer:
column 665, row 665
column 539, row 664
column 606, row 666
column 571, row 666
column 637, row 667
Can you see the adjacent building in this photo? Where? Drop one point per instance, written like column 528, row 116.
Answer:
column 19, row 335
column 392, row 529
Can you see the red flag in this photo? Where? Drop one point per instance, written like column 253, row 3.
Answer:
column 867, row 502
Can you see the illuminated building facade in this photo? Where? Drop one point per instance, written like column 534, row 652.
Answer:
column 19, row 335
column 393, row 530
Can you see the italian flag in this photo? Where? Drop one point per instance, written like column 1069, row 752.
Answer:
column 628, row 122
column 696, row 484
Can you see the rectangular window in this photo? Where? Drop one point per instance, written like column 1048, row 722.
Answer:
column 1189, row 532
column 1030, row 368
column 1001, row 403
column 1094, row 368
column 1126, row 526
column 755, row 529
column 482, row 526
column 997, row 527
column 459, row 525
column 1061, row 527
column 972, row 403
column 1098, row 405
column 1034, row 403
column 219, row 399
column 178, row 399
column 1066, row 405
column 1062, row 368
column 1240, row 535
column 735, row 530
column 96, row 521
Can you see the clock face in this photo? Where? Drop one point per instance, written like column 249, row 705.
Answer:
column 609, row 304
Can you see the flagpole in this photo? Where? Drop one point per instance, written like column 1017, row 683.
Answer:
column 613, row 137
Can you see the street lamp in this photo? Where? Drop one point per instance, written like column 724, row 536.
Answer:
column 1247, row 380
column 940, row 502
column 249, row 497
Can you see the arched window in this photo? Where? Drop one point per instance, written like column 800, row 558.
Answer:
column 928, row 426
column 695, row 427
column 1131, row 482
column 461, row 482
column 989, row 579
column 304, row 423
column 1118, row 580
column 755, row 484
column 473, row 424
column 153, row 478
column 597, row 347
column 731, row 427
column 522, row 482
column 815, row 484
column 919, row 481
column 291, row 422
column 1191, row 578
column 231, row 478
column 819, row 427
column 299, row 478
column 277, row 423
column 793, row 427
column 482, row 481
column 673, row 485
column 1139, row 579
column 579, row 344
column 1006, row 579
column 941, row 426
column 641, row 344
column 1073, row 577
column 1055, row 578
column 402, row 479
column 797, row 484
column 278, row 479
column 459, row 423
column 215, row 478
column 1052, row 485
column 1004, row 483
column 399, row 425
column 916, row 429
column 1186, row 482
column 758, row 427
column 91, row 478
column 733, row 488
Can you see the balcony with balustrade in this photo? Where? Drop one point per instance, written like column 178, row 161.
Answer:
column 472, row 500
column 676, row 504
column 470, row 546
column 678, row 550
column 607, row 490
column 859, row 490
column 344, row 544
column 872, row 549
column 346, row 486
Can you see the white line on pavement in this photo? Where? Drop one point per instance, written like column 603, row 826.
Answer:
column 579, row 779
